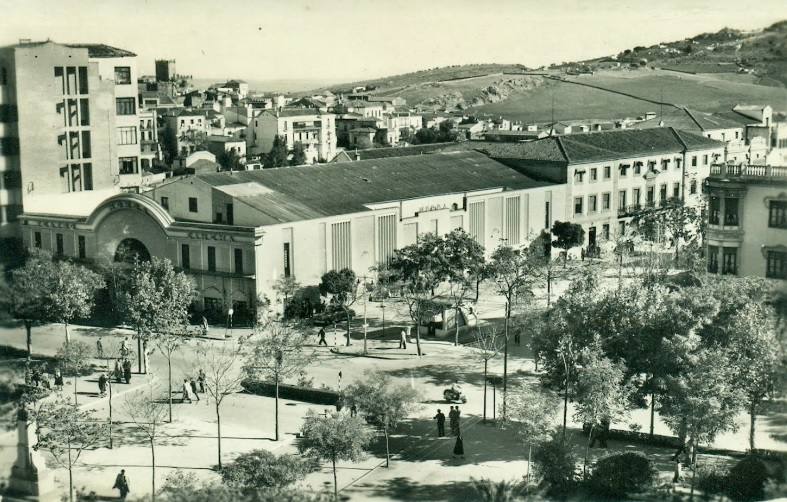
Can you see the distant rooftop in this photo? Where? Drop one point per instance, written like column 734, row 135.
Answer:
column 102, row 50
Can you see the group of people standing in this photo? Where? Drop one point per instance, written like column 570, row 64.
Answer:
column 36, row 377
column 192, row 387
column 453, row 420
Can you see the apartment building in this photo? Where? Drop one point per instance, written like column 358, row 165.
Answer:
column 186, row 130
column 613, row 175
column 747, row 220
column 237, row 233
column 315, row 130
column 68, row 116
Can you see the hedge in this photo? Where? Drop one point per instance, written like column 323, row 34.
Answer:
column 293, row 392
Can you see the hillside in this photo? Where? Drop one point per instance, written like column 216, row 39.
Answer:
column 709, row 72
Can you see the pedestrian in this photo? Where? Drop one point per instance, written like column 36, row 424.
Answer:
column 604, row 432
column 127, row 370
column 582, row 253
column 456, row 419
column 204, row 326
column 118, row 372
column 124, row 350
column 201, row 380
column 121, row 484
column 353, row 410
column 194, row 388
column 403, row 339
column 58, row 380
column 459, row 447
column 102, row 385
column 452, row 420
column 99, row 348
column 36, row 378
column 517, row 337
column 322, row 341
column 440, row 417
column 185, row 389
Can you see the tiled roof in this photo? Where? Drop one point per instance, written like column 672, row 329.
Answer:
column 102, row 51
column 293, row 112
column 402, row 151
column 689, row 120
column 600, row 146
column 307, row 192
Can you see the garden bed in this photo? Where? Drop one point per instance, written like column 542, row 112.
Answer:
column 292, row 392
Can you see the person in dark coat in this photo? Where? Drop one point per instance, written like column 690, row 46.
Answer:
column 194, row 388
column 322, row 341
column 102, row 384
column 58, row 380
column 121, row 484
column 127, row 371
column 201, row 380
column 440, row 417
column 453, row 421
column 118, row 372
column 459, row 447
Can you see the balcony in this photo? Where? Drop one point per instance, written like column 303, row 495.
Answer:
column 649, row 206
column 742, row 172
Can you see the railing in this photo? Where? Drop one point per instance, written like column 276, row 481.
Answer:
column 649, row 205
column 749, row 171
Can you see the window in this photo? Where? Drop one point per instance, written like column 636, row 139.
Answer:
column 714, row 210
column 165, row 203
column 776, row 265
column 663, row 192
column 125, row 106
column 477, row 215
column 547, row 216
column 594, row 174
column 87, row 173
column 693, row 161
column 230, row 215
column 83, row 80
column 777, row 214
column 65, row 182
column 341, row 245
column 386, row 237
column 86, row 150
column 84, row 112
column 127, row 135
column 607, row 172
column 693, row 187
column 737, row 134
column 219, row 217
column 11, row 180
column 192, row 204
column 637, row 167
column 59, row 244
column 636, row 196
column 713, row 259
column 651, row 196
column 676, row 190
column 211, row 259
column 579, row 176
column 731, row 211
column 729, row 263
column 76, row 178
column 605, row 231
column 122, row 75
column 665, row 164
column 185, row 256
column 82, row 248
column 3, row 76
column 605, row 201
column 624, row 169
column 704, row 160
column 592, row 203
column 128, row 165
column 37, row 239
column 60, row 82
column 238, row 255
column 577, row 205
column 287, row 270
column 622, row 199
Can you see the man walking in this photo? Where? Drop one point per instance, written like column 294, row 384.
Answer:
column 99, row 348
column 403, row 339
column 322, row 341
column 121, row 484
column 102, row 385
column 201, row 380
column 440, row 417
column 194, row 388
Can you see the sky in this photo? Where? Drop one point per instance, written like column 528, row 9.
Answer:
column 345, row 40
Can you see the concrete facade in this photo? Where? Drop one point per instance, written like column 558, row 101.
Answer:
column 315, row 130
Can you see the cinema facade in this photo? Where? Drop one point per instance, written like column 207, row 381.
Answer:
column 237, row 233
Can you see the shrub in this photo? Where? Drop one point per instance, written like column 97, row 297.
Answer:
column 712, row 479
column 746, row 479
column 620, row 474
column 305, row 394
column 262, row 469
column 487, row 490
column 556, row 465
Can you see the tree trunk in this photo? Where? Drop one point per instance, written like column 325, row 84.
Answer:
column 587, row 453
column 348, row 327
column 335, row 482
column 693, row 476
column 529, row 460
column 477, row 288
column 70, row 473
column 505, row 358
column 456, row 322
column 68, row 335
column 153, row 470
column 28, row 330
column 752, row 420
column 109, row 384
column 169, row 384
column 218, row 431
column 75, row 387
column 486, row 363
column 565, row 409
column 549, row 286
column 276, row 407
column 139, row 352
column 652, row 413
column 387, row 451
